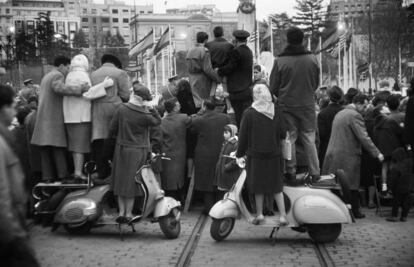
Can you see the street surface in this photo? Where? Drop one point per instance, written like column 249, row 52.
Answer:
column 369, row 242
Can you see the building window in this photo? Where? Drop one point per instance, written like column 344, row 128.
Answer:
column 125, row 20
column 115, row 20
column 94, row 20
column 105, row 20
column 149, row 12
column 7, row 10
column 142, row 12
column 125, row 10
column 104, row 10
column 85, row 20
column 93, row 11
column 114, row 11
column 84, row 11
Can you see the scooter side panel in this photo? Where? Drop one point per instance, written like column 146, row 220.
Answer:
column 319, row 209
column 223, row 209
column 80, row 205
column 164, row 206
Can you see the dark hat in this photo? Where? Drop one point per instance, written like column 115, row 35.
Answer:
column 143, row 92
column 25, row 82
column 172, row 78
column 241, row 34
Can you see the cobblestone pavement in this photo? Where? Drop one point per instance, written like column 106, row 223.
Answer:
column 104, row 248
column 370, row 242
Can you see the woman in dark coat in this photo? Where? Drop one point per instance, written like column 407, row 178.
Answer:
column 209, row 128
column 131, row 126
column 260, row 140
column 174, row 131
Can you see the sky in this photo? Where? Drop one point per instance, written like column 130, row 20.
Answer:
column 264, row 7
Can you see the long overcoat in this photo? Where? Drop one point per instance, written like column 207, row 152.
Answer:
column 227, row 170
column 209, row 128
column 174, row 133
column 344, row 149
column 104, row 108
column 131, row 127
column 50, row 128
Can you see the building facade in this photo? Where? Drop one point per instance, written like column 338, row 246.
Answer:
column 111, row 16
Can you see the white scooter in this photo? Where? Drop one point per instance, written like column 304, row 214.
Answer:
column 311, row 207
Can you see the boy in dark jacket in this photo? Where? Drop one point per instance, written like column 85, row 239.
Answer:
column 401, row 181
column 227, row 170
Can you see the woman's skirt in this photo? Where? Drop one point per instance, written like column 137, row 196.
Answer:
column 264, row 176
column 79, row 137
column 127, row 161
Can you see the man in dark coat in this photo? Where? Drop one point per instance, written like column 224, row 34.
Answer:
column 238, row 71
column 103, row 109
column 49, row 132
column 325, row 119
column 409, row 118
column 344, row 149
column 200, row 69
column 219, row 48
column 209, row 128
column 294, row 79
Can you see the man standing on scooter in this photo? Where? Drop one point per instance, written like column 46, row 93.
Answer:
column 348, row 135
column 294, row 79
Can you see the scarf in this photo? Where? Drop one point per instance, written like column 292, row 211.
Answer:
column 136, row 100
column 263, row 101
column 294, row 50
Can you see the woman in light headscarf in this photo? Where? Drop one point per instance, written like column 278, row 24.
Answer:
column 260, row 141
column 77, row 115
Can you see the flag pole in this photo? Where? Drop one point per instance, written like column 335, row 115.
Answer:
column 339, row 63
column 148, row 74
column 345, row 67
column 162, row 61
column 169, row 52
column 271, row 35
column 320, row 60
column 154, row 57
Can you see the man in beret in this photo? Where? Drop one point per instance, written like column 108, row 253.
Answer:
column 104, row 108
column 238, row 71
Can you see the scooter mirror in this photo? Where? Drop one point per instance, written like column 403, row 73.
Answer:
column 90, row 167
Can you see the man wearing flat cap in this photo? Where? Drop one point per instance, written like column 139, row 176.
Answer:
column 238, row 71
column 28, row 91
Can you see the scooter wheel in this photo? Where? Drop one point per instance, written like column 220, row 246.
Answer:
column 78, row 230
column 221, row 228
column 170, row 226
column 324, row 233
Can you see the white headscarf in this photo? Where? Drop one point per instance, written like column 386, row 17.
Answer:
column 262, row 101
column 79, row 62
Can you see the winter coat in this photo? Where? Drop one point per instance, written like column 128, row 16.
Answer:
column 387, row 134
column 409, row 122
column 219, row 49
column 344, row 148
column 260, row 140
column 77, row 109
column 131, row 127
column 239, row 72
column 104, row 108
column 12, row 195
column 401, row 178
column 325, row 119
column 174, row 133
column 50, row 128
column 201, row 73
column 227, row 170
column 295, row 77
column 209, row 128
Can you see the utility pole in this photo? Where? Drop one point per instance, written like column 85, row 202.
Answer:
column 369, row 45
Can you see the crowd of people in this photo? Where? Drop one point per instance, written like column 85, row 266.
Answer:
column 228, row 110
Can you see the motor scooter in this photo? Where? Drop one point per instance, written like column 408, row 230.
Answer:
column 310, row 207
column 87, row 206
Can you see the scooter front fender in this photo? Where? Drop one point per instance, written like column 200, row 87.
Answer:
column 319, row 210
column 164, row 206
column 223, row 209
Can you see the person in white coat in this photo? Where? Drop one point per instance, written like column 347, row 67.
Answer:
column 77, row 114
